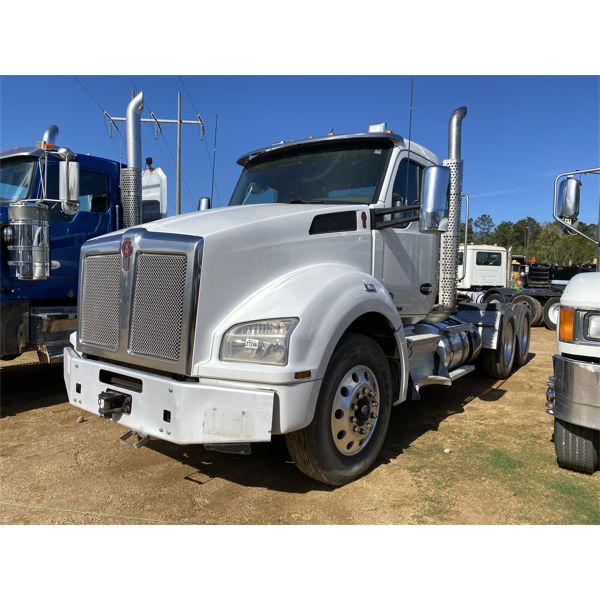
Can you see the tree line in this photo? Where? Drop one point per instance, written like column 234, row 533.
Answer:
column 544, row 241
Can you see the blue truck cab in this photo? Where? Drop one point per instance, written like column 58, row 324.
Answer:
column 39, row 313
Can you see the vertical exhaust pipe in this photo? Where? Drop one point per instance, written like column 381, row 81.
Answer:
column 450, row 240
column 131, row 176
column 50, row 135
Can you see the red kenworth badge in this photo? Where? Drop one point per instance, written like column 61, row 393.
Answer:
column 126, row 252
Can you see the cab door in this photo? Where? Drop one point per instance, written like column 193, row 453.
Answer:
column 410, row 259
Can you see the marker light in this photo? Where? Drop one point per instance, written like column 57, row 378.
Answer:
column 566, row 332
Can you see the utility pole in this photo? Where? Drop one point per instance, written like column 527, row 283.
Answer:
column 179, row 122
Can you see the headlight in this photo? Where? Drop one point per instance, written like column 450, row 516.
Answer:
column 593, row 327
column 263, row 342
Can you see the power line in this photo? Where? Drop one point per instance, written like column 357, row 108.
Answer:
column 93, row 99
column 210, row 163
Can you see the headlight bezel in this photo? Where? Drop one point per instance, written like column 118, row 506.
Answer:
column 587, row 325
column 260, row 343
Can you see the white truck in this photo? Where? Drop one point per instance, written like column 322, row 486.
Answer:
column 321, row 297
column 573, row 395
column 483, row 267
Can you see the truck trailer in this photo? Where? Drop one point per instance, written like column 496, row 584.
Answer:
column 573, row 394
column 51, row 201
column 323, row 295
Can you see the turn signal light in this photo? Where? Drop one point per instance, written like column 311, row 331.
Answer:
column 566, row 332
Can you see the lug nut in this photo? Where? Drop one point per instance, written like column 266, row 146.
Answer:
column 354, row 420
column 373, row 415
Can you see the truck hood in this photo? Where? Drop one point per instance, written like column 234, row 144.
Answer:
column 583, row 291
column 219, row 220
column 250, row 248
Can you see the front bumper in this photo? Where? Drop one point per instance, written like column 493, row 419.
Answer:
column 197, row 413
column 573, row 393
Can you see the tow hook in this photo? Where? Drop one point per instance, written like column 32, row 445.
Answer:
column 112, row 402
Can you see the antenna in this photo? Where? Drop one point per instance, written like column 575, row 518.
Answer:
column 212, row 180
column 410, row 114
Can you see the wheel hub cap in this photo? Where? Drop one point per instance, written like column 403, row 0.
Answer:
column 355, row 410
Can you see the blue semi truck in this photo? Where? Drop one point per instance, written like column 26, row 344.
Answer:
column 52, row 200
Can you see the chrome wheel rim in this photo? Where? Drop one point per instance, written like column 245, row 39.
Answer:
column 355, row 410
column 509, row 340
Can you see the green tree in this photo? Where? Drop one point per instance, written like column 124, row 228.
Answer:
column 483, row 230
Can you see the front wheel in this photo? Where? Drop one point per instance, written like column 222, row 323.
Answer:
column 576, row 447
column 551, row 310
column 352, row 415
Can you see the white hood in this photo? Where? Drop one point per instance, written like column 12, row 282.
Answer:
column 583, row 291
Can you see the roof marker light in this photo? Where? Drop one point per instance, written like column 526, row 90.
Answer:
column 378, row 127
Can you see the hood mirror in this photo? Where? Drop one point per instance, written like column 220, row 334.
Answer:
column 204, row 203
column 434, row 200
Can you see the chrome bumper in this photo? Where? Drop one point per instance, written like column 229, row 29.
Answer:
column 573, row 393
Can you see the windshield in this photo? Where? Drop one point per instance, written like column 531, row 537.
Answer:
column 15, row 178
column 348, row 172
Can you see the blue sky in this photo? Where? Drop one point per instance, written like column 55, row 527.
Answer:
column 520, row 131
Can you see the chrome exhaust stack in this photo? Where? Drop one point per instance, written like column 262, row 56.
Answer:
column 131, row 176
column 50, row 135
column 450, row 240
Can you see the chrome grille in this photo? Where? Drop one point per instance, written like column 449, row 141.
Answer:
column 158, row 305
column 100, row 300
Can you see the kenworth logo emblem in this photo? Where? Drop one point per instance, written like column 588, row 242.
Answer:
column 126, row 252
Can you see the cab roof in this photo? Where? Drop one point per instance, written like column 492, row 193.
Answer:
column 396, row 140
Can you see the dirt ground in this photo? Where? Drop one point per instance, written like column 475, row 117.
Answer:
column 500, row 469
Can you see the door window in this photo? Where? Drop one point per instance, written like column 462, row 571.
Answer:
column 407, row 189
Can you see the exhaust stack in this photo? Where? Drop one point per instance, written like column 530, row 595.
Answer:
column 50, row 135
column 131, row 176
column 450, row 240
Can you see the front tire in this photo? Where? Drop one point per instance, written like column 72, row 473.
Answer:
column 352, row 415
column 551, row 310
column 576, row 447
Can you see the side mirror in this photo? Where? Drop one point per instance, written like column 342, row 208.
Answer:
column 68, row 186
column 434, row 200
column 204, row 203
column 568, row 198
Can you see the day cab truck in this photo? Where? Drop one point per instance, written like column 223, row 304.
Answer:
column 51, row 201
column 324, row 294
column 486, row 273
column 573, row 394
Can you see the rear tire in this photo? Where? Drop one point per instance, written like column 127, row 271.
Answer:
column 493, row 298
column 551, row 310
column 576, row 447
column 522, row 333
column 498, row 363
column 334, row 449
column 535, row 308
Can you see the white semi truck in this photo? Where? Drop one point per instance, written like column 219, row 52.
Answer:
column 573, row 395
column 321, row 297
